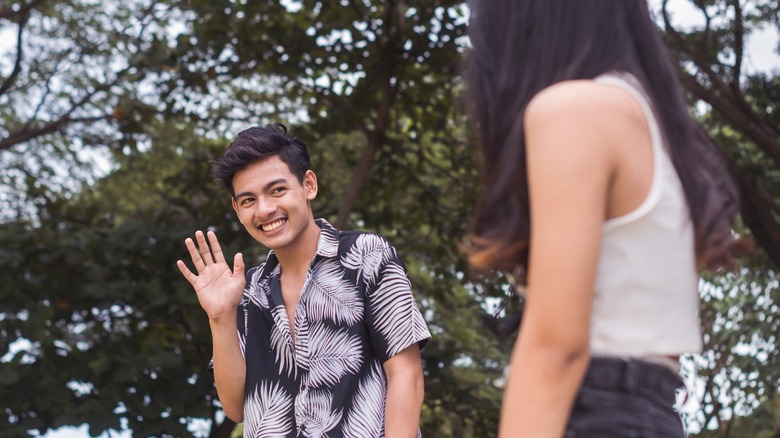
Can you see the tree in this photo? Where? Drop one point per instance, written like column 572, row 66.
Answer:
column 372, row 67
column 740, row 311
column 112, row 332
column 98, row 327
column 712, row 65
column 377, row 81
column 421, row 154
column 73, row 90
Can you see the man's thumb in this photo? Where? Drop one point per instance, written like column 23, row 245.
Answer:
column 238, row 264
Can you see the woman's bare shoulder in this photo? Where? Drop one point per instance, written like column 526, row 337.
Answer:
column 586, row 101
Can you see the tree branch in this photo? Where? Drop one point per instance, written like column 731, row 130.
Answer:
column 8, row 12
column 760, row 134
column 695, row 55
column 27, row 133
column 19, row 56
column 377, row 135
column 55, row 126
column 758, row 212
column 739, row 44
column 731, row 89
column 44, row 96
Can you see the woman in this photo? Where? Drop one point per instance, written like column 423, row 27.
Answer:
column 600, row 188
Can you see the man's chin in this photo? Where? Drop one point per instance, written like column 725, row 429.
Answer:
column 273, row 243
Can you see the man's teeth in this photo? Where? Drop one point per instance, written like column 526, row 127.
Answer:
column 273, row 225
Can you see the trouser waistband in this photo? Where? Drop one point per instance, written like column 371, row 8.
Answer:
column 631, row 375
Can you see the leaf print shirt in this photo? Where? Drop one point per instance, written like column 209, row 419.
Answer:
column 356, row 311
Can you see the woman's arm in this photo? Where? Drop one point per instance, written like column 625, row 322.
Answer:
column 569, row 164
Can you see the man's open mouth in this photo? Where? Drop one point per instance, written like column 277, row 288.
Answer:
column 273, row 225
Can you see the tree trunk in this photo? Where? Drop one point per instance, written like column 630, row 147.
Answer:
column 223, row 430
column 376, row 136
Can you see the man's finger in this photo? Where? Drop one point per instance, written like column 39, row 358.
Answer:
column 196, row 259
column 238, row 265
column 219, row 257
column 204, row 248
column 185, row 271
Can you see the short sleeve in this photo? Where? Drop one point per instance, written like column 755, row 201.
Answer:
column 393, row 318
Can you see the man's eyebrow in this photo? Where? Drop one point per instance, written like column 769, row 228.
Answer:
column 275, row 182
column 266, row 187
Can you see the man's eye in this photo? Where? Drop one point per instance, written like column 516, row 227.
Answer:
column 246, row 201
column 279, row 190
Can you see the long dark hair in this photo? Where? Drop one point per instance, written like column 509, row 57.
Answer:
column 523, row 46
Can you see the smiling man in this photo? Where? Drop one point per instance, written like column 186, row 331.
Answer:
column 324, row 338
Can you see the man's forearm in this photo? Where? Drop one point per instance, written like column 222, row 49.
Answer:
column 229, row 367
column 404, row 402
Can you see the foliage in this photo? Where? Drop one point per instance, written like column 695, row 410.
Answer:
column 713, row 65
column 740, row 363
column 113, row 332
column 73, row 91
column 97, row 325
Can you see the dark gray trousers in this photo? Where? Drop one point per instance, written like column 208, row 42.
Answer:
column 626, row 398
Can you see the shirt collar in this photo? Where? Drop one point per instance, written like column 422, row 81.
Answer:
column 327, row 245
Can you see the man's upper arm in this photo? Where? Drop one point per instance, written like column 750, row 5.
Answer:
column 405, row 361
column 393, row 318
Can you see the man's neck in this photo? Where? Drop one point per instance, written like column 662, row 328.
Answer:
column 295, row 259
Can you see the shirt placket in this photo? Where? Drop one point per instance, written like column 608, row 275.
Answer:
column 302, row 358
column 278, row 313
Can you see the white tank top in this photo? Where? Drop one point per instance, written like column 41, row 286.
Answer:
column 646, row 291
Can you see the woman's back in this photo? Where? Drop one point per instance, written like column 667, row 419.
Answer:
column 607, row 222
column 605, row 205
column 646, row 290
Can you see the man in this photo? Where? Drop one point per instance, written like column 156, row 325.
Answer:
column 329, row 335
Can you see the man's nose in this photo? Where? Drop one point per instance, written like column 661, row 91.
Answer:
column 265, row 208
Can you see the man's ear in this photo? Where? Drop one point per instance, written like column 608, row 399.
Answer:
column 310, row 185
column 235, row 205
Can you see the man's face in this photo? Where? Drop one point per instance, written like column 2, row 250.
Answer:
column 272, row 204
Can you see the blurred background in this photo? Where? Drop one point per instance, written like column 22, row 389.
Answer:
column 110, row 111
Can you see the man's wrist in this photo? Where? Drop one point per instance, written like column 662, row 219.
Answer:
column 222, row 321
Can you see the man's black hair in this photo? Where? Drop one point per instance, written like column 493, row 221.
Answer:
column 258, row 143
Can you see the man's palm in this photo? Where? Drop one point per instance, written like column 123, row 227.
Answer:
column 219, row 289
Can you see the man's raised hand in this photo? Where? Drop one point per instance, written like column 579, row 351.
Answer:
column 219, row 289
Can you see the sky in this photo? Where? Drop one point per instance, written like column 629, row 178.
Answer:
column 761, row 56
column 762, row 45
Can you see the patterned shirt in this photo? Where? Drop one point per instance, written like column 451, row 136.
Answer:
column 356, row 310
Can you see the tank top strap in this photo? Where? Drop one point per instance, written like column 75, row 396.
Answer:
column 661, row 161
